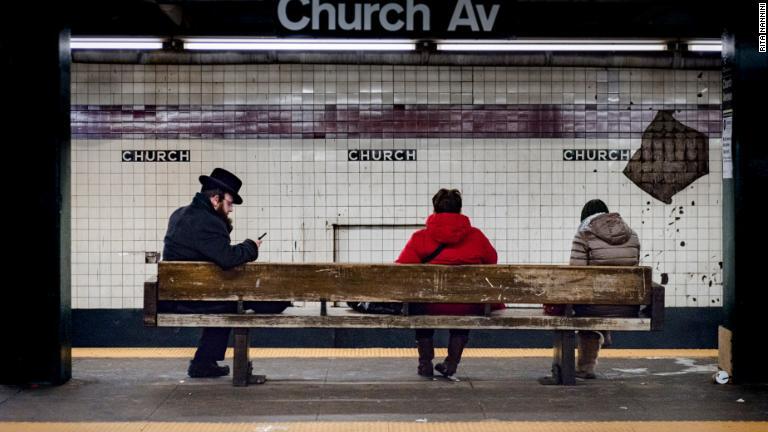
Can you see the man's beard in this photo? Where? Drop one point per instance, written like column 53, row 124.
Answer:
column 223, row 215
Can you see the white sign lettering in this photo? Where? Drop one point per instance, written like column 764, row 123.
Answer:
column 464, row 15
column 357, row 155
column 391, row 16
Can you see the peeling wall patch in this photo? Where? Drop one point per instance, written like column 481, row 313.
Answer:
column 670, row 158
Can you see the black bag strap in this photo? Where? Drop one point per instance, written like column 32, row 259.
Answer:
column 433, row 255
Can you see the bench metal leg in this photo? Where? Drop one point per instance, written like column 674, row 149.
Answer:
column 241, row 364
column 242, row 374
column 564, row 362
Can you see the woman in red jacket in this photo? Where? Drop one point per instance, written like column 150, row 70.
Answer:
column 448, row 239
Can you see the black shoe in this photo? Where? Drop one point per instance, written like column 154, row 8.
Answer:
column 206, row 369
column 446, row 369
column 548, row 380
column 425, row 370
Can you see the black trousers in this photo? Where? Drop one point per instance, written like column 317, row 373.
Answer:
column 605, row 311
column 213, row 342
column 429, row 333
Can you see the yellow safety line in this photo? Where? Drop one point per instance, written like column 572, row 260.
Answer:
column 421, row 425
column 382, row 353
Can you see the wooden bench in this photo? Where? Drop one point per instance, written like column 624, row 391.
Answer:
column 519, row 284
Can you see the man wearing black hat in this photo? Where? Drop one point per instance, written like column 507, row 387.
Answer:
column 200, row 232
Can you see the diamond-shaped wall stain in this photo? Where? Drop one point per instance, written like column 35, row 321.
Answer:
column 671, row 157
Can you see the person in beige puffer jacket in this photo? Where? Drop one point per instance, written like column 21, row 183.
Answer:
column 603, row 238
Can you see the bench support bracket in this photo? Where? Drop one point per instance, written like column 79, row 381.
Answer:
column 242, row 375
column 564, row 362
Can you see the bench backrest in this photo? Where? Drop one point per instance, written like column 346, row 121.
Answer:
column 406, row 283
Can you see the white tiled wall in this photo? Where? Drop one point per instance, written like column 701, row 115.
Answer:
column 371, row 243
column 518, row 191
column 353, row 84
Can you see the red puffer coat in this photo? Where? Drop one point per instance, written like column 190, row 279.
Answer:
column 464, row 245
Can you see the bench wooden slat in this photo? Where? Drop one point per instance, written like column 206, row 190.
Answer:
column 406, row 283
column 345, row 318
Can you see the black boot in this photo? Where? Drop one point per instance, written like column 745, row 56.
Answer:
column 426, row 353
column 456, row 344
column 206, row 369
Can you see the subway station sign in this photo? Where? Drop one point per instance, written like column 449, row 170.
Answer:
column 388, row 18
column 596, row 155
column 155, row 155
column 366, row 155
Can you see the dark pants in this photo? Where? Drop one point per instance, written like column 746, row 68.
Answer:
column 429, row 333
column 605, row 311
column 213, row 342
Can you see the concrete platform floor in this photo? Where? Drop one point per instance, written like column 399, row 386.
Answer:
column 370, row 393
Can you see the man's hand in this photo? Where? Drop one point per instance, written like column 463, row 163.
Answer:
column 256, row 243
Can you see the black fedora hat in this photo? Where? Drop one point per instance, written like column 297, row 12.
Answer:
column 224, row 180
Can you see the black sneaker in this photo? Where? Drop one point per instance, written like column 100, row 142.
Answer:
column 425, row 370
column 206, row 369
column 446, row 369
column 548, row 380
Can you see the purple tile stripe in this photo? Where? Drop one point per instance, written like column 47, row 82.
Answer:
column 380, row 121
